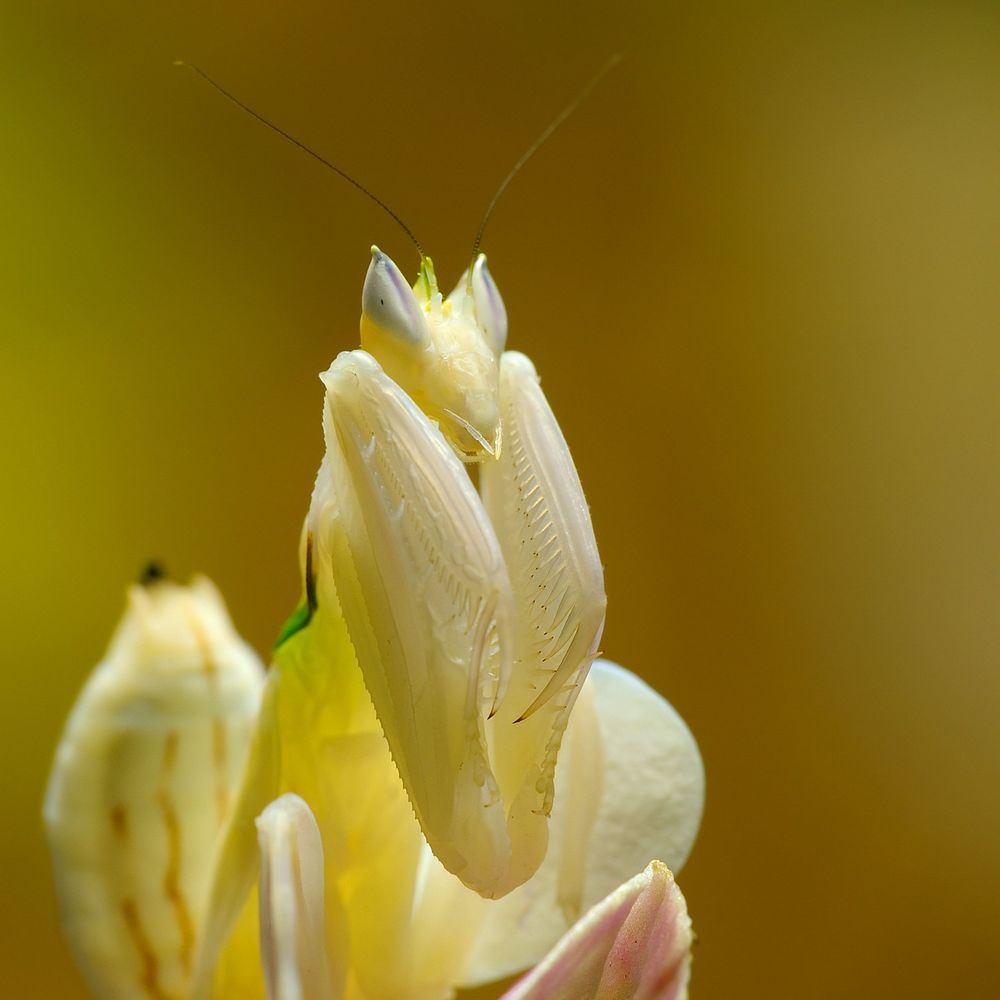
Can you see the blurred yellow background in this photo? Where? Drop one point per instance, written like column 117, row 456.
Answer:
column 758, row 273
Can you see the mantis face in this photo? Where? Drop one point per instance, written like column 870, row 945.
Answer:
column 443, row 352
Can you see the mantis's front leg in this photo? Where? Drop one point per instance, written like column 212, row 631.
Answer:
column 535, row 502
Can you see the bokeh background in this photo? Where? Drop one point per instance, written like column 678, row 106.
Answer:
column 758, row 272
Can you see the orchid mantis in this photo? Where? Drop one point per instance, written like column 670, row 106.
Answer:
column 443, row 638
column 442, row 776
column 472, row 643
column 475, row 622
column 416, row 708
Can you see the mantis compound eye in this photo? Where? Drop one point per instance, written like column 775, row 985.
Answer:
column 490, row 310
column 388, row 306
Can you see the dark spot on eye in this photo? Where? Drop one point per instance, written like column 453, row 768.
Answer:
column 381, row 302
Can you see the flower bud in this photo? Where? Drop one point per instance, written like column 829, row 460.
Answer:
column 141, row 786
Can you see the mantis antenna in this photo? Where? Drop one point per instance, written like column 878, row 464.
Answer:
column 296, row 142
column 533, row 148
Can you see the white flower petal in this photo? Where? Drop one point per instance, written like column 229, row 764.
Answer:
column 651, row 794
column 292, row 932
column 634, row 945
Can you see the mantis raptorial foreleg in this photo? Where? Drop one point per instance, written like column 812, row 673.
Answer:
column 536, row 505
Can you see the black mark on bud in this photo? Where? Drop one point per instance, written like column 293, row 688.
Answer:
column 152, row 572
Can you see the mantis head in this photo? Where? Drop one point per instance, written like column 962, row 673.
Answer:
column 443, row 352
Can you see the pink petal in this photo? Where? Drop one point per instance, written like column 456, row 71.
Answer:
column 635, row 945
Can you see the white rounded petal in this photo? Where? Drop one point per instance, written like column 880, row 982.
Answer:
column 654, row 781
column 651, row 787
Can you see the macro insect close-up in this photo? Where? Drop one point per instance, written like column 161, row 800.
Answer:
column 684, row 392
column 383, row 810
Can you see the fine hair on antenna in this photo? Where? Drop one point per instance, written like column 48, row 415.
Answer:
column 581, row 96
column 296, row 142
